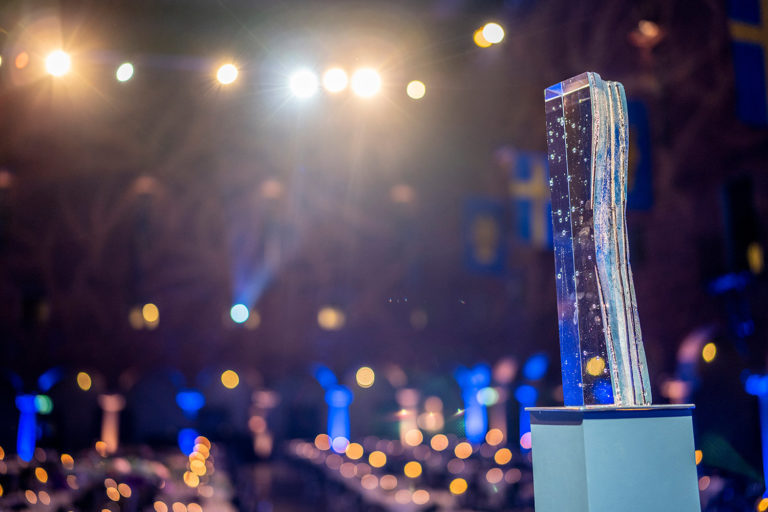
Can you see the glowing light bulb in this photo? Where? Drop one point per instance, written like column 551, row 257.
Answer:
column 303, row 83
column 58, row 63
column 239, row 313
column 416, row 89
column 335, row 80
column 227, row 74
column 493, row 33
column 366, row 82
column 124, row 72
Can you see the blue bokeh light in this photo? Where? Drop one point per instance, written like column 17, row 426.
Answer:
column 526, row 395
column 27, row 433
column 536, row 366
column 186, row 440
column 324, row 376
column 190, row 401
column 239, row 313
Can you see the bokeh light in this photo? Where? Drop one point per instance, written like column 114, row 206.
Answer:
column 124, row 72
column 366, row 82
column 330, row 318
column 412, row 469
column 44, row 404
column 525, row 441
column 150, row 313
column 388, row 482
column 67, row 461
column 230, row 379
column 414, row 437
column 494, row 437
column 595, row 366
column 22, row 60
column 493, row 33
column 239, row 313
column 41, row 474
column 762, row 505
column 439, row 442
column 502, row 456
column 303, row 83
column 84, row 381
column 58, row 63
column 339, row 444
column 416, row 89
column 698, row 455
column 494, row 475
column 420, row 497
column 354, row 451
column 227, row 74
column 480, row 39
column 377, row 459
column 458, row 486
column 463, row 450
column 365, row 377
column 709, row 352
column 322, row 442
column 335, row 80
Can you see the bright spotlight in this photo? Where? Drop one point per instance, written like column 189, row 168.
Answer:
column 366, row 82
column 416, row 89
column 303, row 83
column 335, row 80
column 124, row 72
column 493, row 33
column 239, row 313
column 58, row 63
column 227, row 74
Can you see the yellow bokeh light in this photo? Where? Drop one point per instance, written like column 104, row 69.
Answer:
column 377, row 459
column 41, row 474
column 230, row 379
column 502, row 456
column 113, row 493
column 150, row 313
column 755, row 258
column 416, row 89
column 110, row 482
column 227, row 74
column 366, row 82
column 323, row 442
column 191, row 479
column 412, row 469
column 439, row 442
column 84, row 381
column 204, row 441
column 335, row 80
column 494, row 437
column 135, row 319
column 101, row 448
column 365, row 377
column 458, row 486
column 330, row 318
column 595, row 366
column 197, row 467
column 31, row 497
column 1, row 491
column 420, row 497
column 463, row 450
column 160, row 506
column 493, row 33
column 124, row 490
column 178, row 507
column 194, row 507
column 709, row 352
column 414, row 437
column 762, row 506
column 2, row 453
column 354, row 451
column 698, row 455
column 494, row 475
column 480, row 39
column 58, row 63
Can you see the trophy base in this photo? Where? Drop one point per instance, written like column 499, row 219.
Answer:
column 603, row 459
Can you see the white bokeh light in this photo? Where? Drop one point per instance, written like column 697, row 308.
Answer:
column 303, row 83
column 366, row 82
column 58, row 63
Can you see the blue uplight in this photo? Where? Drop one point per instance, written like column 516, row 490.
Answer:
column 536, row 366
column 46, row 381
column 471, row 382
column 190, row 401
column 526, row 395
column 186, row 440
column 27, row 433
column 338, row 399
column 324, row 376
column 239, row 313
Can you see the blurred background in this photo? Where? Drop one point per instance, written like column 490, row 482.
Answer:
column 221, row 221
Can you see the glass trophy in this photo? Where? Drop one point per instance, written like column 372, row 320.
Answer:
column 601, row 346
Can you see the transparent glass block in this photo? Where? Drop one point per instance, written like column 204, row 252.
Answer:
column 601, row 347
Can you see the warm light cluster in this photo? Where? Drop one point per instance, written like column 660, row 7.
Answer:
column 200, row 463
column 488, row 35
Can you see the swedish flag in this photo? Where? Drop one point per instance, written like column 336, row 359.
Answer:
column 531, row 205
column 749, row 29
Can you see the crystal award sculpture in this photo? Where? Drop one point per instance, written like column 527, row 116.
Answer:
column 601, row 347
